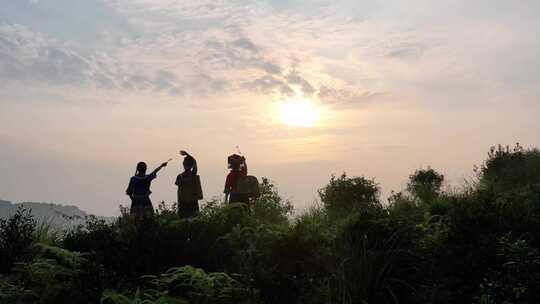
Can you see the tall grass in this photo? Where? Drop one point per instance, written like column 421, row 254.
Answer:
column 46, row 232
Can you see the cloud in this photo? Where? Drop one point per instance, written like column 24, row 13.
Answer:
column 269, row 84
column 294, row 77
column 34, row 58
column 345, row 97
column 241, row 53
column 184, row 48
column 247, row 44
column 343, row 52
column 27, row 57
column 252, row 46
column 406, row 51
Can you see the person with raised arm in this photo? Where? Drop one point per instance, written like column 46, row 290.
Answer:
column 139, row 191
column 189, row 187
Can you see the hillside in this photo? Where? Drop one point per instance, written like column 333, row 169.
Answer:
column 56, row 214
column 480, row 245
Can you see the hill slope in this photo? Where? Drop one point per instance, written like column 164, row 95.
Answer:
column 56, row 214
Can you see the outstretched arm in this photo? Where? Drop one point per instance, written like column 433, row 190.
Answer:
column 159, row 168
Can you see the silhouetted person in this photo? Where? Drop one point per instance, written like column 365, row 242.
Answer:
column 139, row 191
column 238, row 167
column 189, row 187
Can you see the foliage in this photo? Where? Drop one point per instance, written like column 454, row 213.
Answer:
column 376, row 261
column 425, row 184
column 55, row 275
column 46, row 232
column 516, row 277
column 185, row 285
column 344, row 195
column 269, row 206
column 510, row 169
column 480, row 244
column 16, row 234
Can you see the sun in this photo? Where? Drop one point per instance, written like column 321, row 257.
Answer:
column 299, row 113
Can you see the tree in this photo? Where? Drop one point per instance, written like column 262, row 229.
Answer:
column 425, row 185
column 510, row 169
column 344, row 195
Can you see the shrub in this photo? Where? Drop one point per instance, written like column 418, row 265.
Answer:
column 54, row 275
column 270, row 207
column 516, row 276
column 16, row 236
column 376, row 262
column 510, row 169
column 344, row 195
column 425, row 185
column 186, row 285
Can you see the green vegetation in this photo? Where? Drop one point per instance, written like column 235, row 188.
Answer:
column 477, row 245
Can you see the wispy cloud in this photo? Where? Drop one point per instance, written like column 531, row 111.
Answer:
column 28, row 57
column 184, row 48
column 343, row 52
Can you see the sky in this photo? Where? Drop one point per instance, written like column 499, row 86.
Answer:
column 304, row 89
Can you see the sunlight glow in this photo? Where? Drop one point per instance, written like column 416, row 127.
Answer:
column 299, row 113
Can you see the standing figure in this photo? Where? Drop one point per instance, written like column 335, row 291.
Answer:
column 139, row 191
column 238, row 167
column 189, row 187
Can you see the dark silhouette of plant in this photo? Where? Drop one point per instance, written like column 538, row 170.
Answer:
column 344, row 195
column 425, row 185
column 270, row 207
column 516, row 277
column 510, row 169
column 185, row 285
column 476, row 245
column 16, row 236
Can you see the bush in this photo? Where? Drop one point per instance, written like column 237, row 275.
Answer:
column 186, row 285
column 16, row 236
column 510, row 169
column 54, row 275
column 477, row 245
column 270, row 207
column 425, row 185
column 516, row 276
column 376, row 261
column 344, row 195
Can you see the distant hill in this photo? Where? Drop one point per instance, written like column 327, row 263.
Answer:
column 58, row 215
